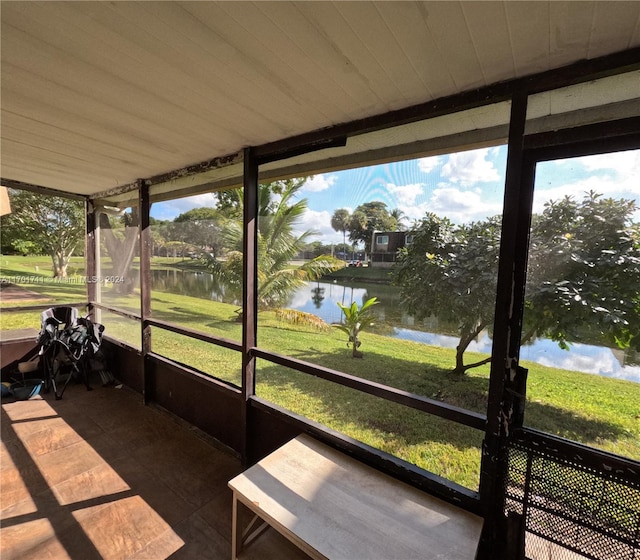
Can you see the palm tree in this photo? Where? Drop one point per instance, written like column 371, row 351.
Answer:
column 399, row 216
column 278, row 244
column 356, row 319
column 340, row 222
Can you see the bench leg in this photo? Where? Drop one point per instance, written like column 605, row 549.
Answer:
column 236, row 543
column 241, row 537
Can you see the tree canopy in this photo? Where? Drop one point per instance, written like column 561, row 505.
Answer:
column 582, row 280
column 367, row 218
column 50, row 224
column 201, row 227
column 450, row 272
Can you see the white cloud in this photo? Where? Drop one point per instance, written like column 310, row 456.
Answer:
column 461, row 206
column 624, row 164
column 406, row 195
column 577, row 190
column 428, row 164
column 319, row 183
column 320, row 222
column 468, row 168
column 614, row 175
column 415, row 211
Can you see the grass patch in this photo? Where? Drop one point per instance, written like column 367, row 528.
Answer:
column 362, row 274
column 35, row 265
column 594, row 410
column 597, row 411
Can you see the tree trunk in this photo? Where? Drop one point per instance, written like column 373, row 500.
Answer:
column 467, row 338
column 355, row 353
column 59, row 271
column 528, row 335
column 459, row 369
column 60, row 264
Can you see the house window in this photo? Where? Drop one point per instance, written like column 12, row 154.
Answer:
column 408, row 240
column 382, row 239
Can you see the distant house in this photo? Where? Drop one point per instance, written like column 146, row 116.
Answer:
column 385, row 245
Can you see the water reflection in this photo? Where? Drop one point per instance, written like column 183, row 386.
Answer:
column 190, row 283
column 320, row 298
column 608, row 362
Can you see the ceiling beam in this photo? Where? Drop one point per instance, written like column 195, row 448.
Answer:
column 13, row 184
column 578, row 72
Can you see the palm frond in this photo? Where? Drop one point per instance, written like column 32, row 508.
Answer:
column 318, row 267
column 295, row 317
column 277, row 246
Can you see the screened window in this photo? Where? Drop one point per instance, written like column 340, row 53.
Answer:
column 318, row 275
column 196, row 278
column 118, row 259
column 581, row 322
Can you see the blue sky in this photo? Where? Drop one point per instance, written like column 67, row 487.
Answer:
column 463, row 186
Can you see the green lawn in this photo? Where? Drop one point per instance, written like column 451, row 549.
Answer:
column 597, row 411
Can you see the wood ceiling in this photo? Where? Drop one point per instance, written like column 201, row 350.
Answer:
column 98, row 94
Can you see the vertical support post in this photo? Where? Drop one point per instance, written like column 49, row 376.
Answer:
column 90, row 258
column 249, row 296
column 506, row 339
column 144, row 207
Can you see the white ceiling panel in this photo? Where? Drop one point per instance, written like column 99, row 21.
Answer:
column 615, row 25
column 492, row 47
column 98, row 94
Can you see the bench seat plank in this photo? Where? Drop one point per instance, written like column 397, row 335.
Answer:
column 333, row 506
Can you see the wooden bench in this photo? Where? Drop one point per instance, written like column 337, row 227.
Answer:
column 332, row 506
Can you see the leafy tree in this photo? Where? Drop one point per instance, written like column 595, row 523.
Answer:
column 340, row 222
column 200, row 227
column 343, row 249
column 177, row 249
column 583, row 277
column 450, row 272
column 317, row 248
column 25, row 247
column 161, row 234
column 52, row 224
column 367, row 218
column 278, row 245
column 228, row 201
column 582, row 281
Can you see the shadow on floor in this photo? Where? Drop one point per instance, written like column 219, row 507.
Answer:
column 98, row 475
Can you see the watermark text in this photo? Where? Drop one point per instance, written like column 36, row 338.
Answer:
column 26, row 279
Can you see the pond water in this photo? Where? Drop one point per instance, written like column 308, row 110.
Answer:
column 321, row 298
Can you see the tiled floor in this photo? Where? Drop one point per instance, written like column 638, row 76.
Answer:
column 98, row 475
